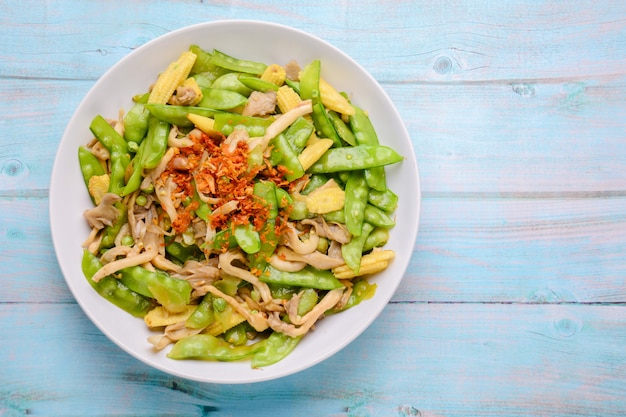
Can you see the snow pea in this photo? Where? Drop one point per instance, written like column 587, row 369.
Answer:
column 385, row 200
column 351, row 158
column 207, row 347
column 236, row 335
column 228, row 122
column 247, row 238
column 377, row 238
column 315, row 181
column 238, row 65
column 308, row 277
column 177, row 115
column 361, row 290
column 273, row 349
column 283, row 153
column 110, row 232
column 255, row 83
column 172, row 293
column 308, row 300
column 113, row 290
column 203, row 64
column 372, row 215
column 343, row 131
column 108, row 137
column 357, row 192
column 365, row 134
column 118, row 150
column 283, row 198
column 182, row 253
column 156, row 142
column 136, row 123
column 219, row 99
column 310, row 82
column 89, row 164
column 203, row 315
column 323, row 124
column 298, row 134
column 265, row 191
column 353, row 250
column 230, row 81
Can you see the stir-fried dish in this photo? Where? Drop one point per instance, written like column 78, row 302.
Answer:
column 236, row 204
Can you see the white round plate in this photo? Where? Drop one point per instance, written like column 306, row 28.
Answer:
column 253, row 40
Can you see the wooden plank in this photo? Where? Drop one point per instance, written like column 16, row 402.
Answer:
column 468, row 250
column 559, row 137
column 452, row 41
column 416, row 359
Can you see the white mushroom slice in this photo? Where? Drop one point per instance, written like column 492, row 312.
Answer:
column 315, row 259
column 290, row 238
column 151, row 247
column 287, row 266
column 105, row 213
column 256, row 320
column 226, row 265
column 308, row 320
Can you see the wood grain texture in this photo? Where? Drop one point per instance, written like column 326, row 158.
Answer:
column 417, row 359
column 513, row 303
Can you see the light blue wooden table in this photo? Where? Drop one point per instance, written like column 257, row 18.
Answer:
column 514, row 302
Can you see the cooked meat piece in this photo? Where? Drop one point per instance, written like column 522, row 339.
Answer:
column 260, row 104
column 293, row 70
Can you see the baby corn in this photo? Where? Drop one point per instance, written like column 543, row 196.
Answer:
column 175, row 74
column 373, row 262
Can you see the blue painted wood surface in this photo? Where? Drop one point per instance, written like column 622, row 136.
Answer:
column 514, row 302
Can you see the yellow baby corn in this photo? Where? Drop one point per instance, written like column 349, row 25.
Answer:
column 313, row 152
column 373, row 262
column 274, row 74
column 332, row 100
column 287, row 98
column 98, row 186
column 327, row 198
column 172, row 77
column 160, row 317
column 201, row 122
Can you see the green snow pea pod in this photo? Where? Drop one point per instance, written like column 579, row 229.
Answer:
column 236, row 335
column 308, row 277
column 231, row 82
column 207, row 347
column 323, row 124
column 172, row 293
column 228, row 122
column 308, row 300
column 238, row 65
column 283, row 198
column 266, row 192
column 353, row 250
column 295, row 85
column 156, row 143
column 298, row 134
column 136, row 123
column 177, row 115
column 255, row 83
column 90, row 165
column 283, row 292
column 343, row 131
column 203, row 315
column 247, row 238
column 110, row 232
column 108, row 137
column 377, row 217
column 299, row 210
column 315, row 181
column 310, row 81
column 350, row 158
column 203, row 64
column 356, row 193
column 286, row 157
column 385, row 200
column 219, row 99
column 273, row 349
column 377, row 238
column 361, row 291
column 182, row 253
column 365, row 134
column 113, row 290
